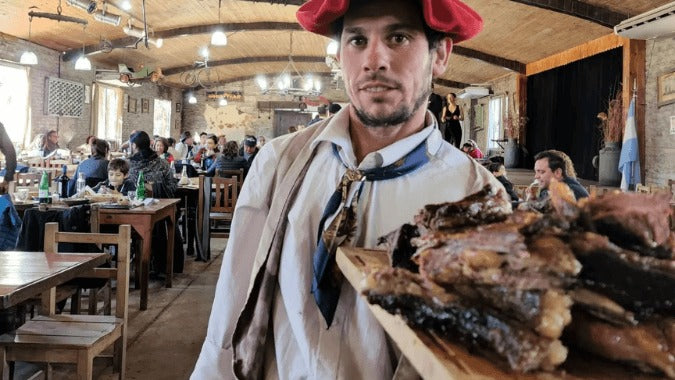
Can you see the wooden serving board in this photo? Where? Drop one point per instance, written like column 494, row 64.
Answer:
column 436, row 358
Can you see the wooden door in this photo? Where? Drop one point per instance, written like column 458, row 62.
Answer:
column 284, row 119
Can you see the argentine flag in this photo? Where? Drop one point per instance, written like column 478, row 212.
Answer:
column 629, row 163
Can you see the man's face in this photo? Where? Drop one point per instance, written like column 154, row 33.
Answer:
column 202, row 139
column 54, row 138
column 188, row 141
column 249, row 149
column 386, row 62
column 116, row 177
column 543, row 173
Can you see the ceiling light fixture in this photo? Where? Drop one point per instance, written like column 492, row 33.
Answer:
column 222, row 102
column 28, row 57
column 126, row 5
column 218, row 38
column 139, row 33
column 83, row 63
column 86, row 5
column 192, row 99
column 332, row 48
column 285, row 83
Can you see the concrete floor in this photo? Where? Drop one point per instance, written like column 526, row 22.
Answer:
column 163, row 341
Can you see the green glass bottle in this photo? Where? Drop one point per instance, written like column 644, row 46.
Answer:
column 43, row 190
column 140, row 186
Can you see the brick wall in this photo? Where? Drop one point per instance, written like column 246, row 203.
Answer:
column 660, row 142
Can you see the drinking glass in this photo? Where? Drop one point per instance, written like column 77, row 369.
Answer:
column 131, row 195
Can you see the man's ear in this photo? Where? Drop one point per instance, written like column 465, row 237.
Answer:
column 440, row 59
column 558, row 174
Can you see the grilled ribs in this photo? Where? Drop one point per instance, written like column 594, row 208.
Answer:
column 427, row 305
column 649, row 346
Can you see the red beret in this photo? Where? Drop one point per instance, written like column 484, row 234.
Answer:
column 451, row 17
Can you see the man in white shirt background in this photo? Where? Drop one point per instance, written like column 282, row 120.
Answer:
column 274, row 315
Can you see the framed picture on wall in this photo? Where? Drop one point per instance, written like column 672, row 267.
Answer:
column 132, row 105
column 145, row 105
column 666, row 88
column 178, row 107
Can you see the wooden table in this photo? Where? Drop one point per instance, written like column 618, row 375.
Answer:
column 142, row 220
column 24, row 275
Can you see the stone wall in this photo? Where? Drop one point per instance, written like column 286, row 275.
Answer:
column 239, row 118
column 140, row 121
column 660, row 138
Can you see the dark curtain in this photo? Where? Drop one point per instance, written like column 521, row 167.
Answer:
column 562, row 107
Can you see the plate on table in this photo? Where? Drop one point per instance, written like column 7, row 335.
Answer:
column 75, row 201
column 118, row 206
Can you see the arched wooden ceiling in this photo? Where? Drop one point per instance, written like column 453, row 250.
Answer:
column 264, row 34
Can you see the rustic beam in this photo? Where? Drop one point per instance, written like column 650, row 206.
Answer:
column 576, row 53
column 450, row 83
column 182, row 31
column 594, row 13
column 510, row 64
column 634, row 78
column 243, row 60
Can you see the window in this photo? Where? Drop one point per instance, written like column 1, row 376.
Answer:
column 109, row 111
column 162, row 125
column 494, row 122
column 14, row 109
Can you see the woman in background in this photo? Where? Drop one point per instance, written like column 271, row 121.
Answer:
column 209, row 152
column 162, row 147
column 228, row 160
column 94, row 168
column 451, row 116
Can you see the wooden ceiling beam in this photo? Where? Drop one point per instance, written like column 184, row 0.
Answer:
column 594, row 13
column 450, row 83
column 178, row 32
column 510, row 64
column 243, row 60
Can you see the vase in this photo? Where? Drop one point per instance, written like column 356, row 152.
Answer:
column 608, row 164
column 511, row 153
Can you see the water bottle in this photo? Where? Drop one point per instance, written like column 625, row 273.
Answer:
column 80, row 184
column 184, row 180
column 62, row 183
column 43, row 190
column 140, row 187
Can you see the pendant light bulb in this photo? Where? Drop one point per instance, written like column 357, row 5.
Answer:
column 218, row 38
column 192, row 99
column 28, row 58
column 222, row 102
column 83, row 63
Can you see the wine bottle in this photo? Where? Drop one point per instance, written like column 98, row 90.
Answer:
column 62, row 183
column 140, row 186
column 43, row 190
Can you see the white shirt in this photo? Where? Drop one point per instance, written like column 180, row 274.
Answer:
column 355, row 345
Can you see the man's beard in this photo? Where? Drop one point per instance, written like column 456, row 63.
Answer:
column 398, row 117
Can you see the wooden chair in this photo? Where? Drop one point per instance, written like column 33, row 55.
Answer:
column 30, row 179
column 224, row 173
column 76, row 338
column 216, row 203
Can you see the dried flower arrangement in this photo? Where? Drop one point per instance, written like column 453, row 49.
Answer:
column 611, row 123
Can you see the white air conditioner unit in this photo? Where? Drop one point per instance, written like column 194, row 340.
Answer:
column 658, row 22
column 473, row 92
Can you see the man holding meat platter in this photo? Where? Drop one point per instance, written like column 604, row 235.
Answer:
column 282, row 309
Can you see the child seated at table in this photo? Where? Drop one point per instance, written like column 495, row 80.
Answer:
column 118, row 179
